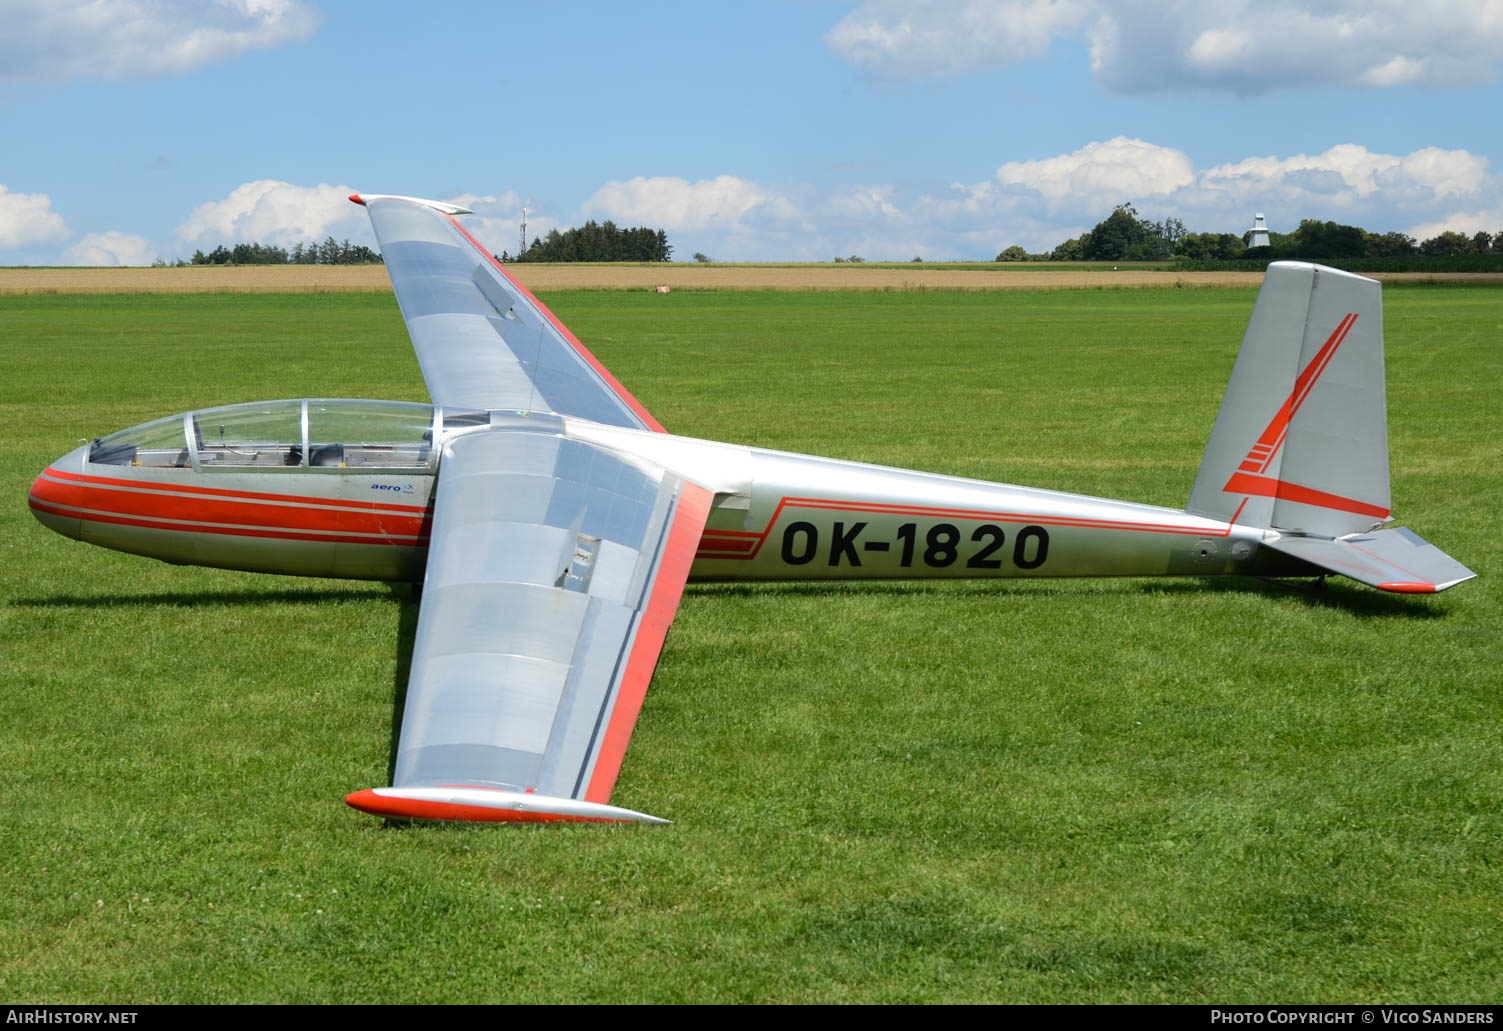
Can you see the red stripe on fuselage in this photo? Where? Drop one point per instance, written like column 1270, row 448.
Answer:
column 228, row 531
column 667, row 589
column 286, row 513
column 584, row 352
column 183, row 488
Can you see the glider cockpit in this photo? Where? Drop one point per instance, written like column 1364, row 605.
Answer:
column 283, row 436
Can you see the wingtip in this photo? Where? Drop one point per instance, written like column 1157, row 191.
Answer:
column 1408, row 587
column 356, row 198
column 487, row 805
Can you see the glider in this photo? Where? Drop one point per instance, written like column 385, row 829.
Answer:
column 553, row 522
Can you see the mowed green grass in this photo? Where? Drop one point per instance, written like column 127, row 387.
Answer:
column 1112, row 790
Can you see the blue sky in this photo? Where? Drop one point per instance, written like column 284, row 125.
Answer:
column 785, row 130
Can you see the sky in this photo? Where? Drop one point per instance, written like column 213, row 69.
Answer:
column 801, row 130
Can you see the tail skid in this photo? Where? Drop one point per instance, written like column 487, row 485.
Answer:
column 1300, row 444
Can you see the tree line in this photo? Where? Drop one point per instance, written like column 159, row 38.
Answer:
column 330, row 252
column 595, row 241
column 1124, row 236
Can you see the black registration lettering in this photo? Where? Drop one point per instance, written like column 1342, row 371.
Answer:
column 941, row 540
column 981, row 559
column 797, row 551
column 1040, row 538
column 844, row 543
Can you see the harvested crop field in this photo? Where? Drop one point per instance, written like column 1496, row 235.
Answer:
column 341, row 278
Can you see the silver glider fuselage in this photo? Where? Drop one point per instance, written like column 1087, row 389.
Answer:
column 774, row 516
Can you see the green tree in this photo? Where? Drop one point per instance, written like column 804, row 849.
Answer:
column 1316, row 239
column 1387, row 245
column 1013, row 253
column 1446, row 245
column 1115, row 235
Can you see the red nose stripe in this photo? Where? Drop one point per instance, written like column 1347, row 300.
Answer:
column 223, row 511
column 53, row 493
column 219, row 492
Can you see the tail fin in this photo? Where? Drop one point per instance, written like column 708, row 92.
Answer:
column 1301, row 441
column 1300, row 445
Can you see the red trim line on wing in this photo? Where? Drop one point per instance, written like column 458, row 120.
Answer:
column 182, row 488
column 1419, row 577
column 1267, row 445
column 1400, row 587
column 667, row 588
column 584, row 352
column 1268, row 487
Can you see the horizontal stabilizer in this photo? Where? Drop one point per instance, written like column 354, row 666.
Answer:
column 1390, row 560
column 487, row 805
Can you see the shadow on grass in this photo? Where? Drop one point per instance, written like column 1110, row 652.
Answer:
column 188, row 599
column 1355, row 600
column 1359, row 601
column 409, row 600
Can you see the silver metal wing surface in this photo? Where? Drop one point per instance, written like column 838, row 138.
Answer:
column 555, row 570
column 483, row 340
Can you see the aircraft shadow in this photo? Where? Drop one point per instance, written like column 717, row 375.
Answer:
column 182, row 599
column 408, row 598
column 1357, row 600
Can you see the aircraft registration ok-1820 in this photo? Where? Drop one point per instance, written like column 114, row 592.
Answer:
column 554, row 522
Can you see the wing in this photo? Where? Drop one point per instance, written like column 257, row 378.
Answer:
column 482, row 339
column 554, row 571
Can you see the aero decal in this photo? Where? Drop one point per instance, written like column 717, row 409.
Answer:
column 742, row 545
column 584, row 352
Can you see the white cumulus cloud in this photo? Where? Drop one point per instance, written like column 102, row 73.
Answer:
column 58, row 40
column 1137, row 46
column 111, row 248
column 1108, row 173
column 947, row 37
column 726, row 201
column 1468, row 223
column 271, row 211
column 27, row 219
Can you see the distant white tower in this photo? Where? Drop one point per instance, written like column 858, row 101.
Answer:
column 1259, row 232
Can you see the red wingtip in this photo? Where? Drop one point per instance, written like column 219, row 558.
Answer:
column 357, row 199
column 397, row 808
column 1407, row 587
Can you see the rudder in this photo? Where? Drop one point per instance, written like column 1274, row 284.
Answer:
column 1301, row 441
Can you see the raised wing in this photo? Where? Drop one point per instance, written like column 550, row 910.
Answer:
column 555, row 569
column 483, row 340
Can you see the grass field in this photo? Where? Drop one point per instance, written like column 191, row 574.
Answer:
column 984, row 276
column 1129, row 790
